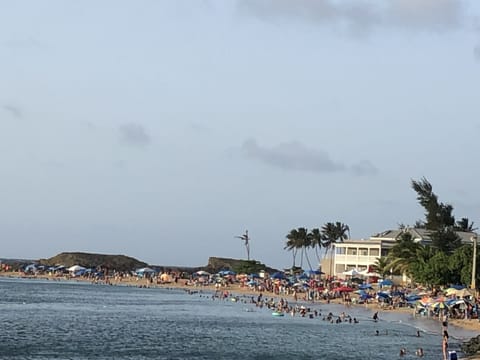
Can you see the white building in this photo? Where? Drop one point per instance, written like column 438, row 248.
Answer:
column 362, row 254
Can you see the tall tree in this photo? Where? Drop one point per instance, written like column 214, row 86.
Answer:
column 445, row 240
column 293, row 244
column 438, row 215
column 316, row 241
column 465, row 225
column 403, row 254
column 333, row 233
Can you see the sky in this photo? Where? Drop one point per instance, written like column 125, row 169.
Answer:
column 163, row 129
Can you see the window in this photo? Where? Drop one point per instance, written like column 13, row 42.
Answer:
column 374, row 252
column 351, row 251
column 340, row 250
column 363, row 251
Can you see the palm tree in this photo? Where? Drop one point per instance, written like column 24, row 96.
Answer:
column 305, row 241
column 246, row 239
column 333, row 233
column 465, row 225
column 316, row 241
column 292, row 243
column 403, row 254
column 382, row 266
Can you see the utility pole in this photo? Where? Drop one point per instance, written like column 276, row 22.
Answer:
column 474, row 265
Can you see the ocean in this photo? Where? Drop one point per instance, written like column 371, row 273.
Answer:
column 43, row 319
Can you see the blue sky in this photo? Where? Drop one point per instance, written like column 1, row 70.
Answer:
column 162, row 129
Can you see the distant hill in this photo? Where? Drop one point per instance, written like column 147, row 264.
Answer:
column 216, row 264
column 113, row 262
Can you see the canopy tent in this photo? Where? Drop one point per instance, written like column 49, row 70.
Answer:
column 76, row 268
column 456, row 292
column 368, row 273
column 226, row 272
column 351, row 272
column 144, row 271
column 202, row 273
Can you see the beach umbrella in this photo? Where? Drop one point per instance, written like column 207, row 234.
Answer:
column 383, row 295
column 278, row 275
column 254, row 276
column 365, row 286
column 386, row 282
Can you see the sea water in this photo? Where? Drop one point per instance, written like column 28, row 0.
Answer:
column 73, row 320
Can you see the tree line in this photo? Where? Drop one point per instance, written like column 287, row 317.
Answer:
column 442, row 261
column 302, row 239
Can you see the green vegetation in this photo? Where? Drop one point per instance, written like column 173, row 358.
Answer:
column 446, row 260
column 249, row 267
column 302, row 239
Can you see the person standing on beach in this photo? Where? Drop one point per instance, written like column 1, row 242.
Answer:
column 445, row 345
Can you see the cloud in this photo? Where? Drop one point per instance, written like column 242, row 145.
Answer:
column 292, row 156
column 357, row 15
column 364, row 167
column 134, row 135
column 14, row 111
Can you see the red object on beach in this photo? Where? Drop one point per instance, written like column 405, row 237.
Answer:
column 343, row 289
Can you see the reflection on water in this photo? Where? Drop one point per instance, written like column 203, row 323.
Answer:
column 62, row 320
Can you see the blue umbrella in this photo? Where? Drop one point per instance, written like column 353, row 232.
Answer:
column 386, row 282
column 365, row 286
column 458, row 287
column 278, row 275
column 254, row 276
column 383, row 295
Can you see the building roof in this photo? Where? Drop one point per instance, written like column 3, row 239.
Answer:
column 419, row 235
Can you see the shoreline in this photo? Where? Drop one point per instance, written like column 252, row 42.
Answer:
column 469, row 327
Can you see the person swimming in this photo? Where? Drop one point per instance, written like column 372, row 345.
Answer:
column 419, row 352
column 375, row 317
column 403, row 352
